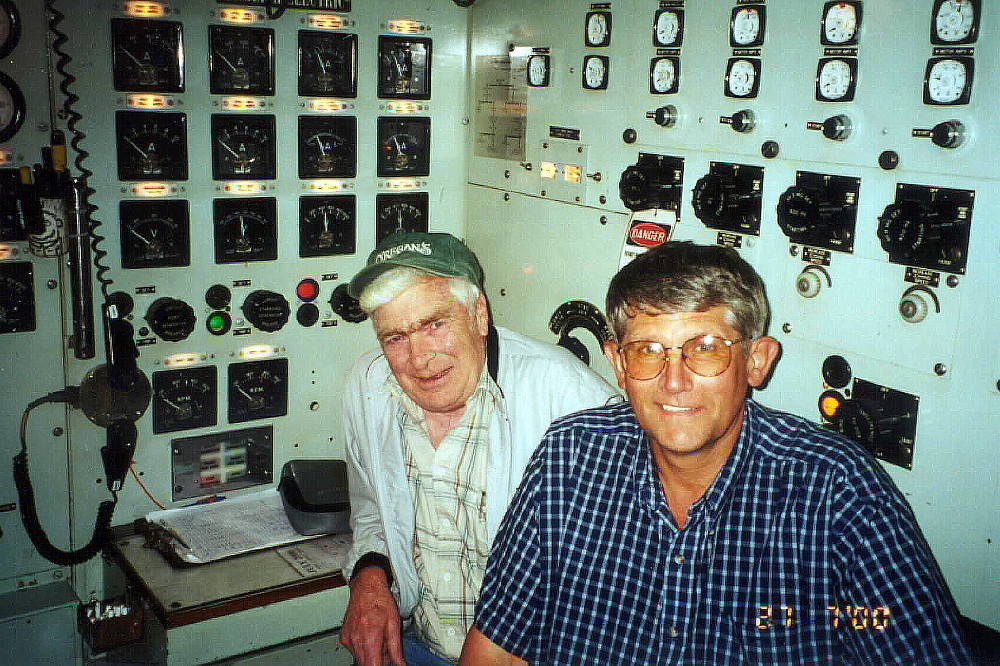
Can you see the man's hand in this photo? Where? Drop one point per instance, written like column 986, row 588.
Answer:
column 371, row 628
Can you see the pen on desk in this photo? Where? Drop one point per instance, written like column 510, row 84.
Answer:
column 173, row 532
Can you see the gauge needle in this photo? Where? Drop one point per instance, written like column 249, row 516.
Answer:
column 133, row 144
column 319, row 59
column 141, row 237
column 226, row 60
column 129, row 54
column 395, row 140
column 240, row 389
column 170, row 402
column 226, row 146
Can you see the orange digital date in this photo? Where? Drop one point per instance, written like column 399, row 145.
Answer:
column 856, row 617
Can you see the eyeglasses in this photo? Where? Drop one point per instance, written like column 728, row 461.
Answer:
column 704, row 355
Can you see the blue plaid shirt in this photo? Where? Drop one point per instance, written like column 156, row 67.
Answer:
column 802, row 551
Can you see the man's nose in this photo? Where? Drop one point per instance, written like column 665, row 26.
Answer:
column 675, row 375
column 422, row 349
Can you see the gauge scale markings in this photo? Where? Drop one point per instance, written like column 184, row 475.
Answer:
column 258, row 390
column 184, row 399
column 154, row 234
column 328, row 146
column 400, row 212
column 327, row 225
column 147, row 55
column 151, row 145
column 328, row 64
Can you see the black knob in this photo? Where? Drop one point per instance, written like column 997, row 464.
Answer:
column 770, row 149
column 629, row 135
column 307, row 314
column 888, row 159
column 218, row 296
column 743, row 121
column 718, row 201
column 665, row 116
column 634, row 188
column 837, row 371
column 837, row 127
column 266, row 310
column 808, row 213
column 949, row 134
column 346, row 306
column 171, row 319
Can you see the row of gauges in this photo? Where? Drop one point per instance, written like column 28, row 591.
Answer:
column 12, row 105
column 152, row 145
column 187, row 397
column 156, row 233
column 148, row 56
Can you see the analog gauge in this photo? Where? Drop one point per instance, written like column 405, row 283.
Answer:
column 17, row 297
column 400, row 212
column 151, row 145
column 240, row 60
column 147, row 55
column 245, row 230
column 948, row 81
column 404, row 146
column 154, row 234
column 328, row 64
column 184, row 399
column 841, row 21
column 835, row 79
column 742, row 77
column 328, row 146
column 327, row 225
column 538, row 71
column 10, row 27
column 668, row 27
column 12, row 108
column 243, row 147
column 595, row 72
column 663, row 75
column 258, row 390
column 598, row 29
column 404, row 67
column 746, row 28
column 955, row 22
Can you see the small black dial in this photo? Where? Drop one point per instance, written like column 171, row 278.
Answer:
column 328, row 64
column 154, row 234
column 346, row 306
column 266, row 310
column 404, row 146
column 184, row 399
column 400, row 212
column 258, row 390
column 17, row 297
column 404, row 67
column 245, row 230
column 328, row 146
column 151, row 145
column 147, row 55
column 327, row 225
column 241, row 60
column 243, row 147
column 171, row 319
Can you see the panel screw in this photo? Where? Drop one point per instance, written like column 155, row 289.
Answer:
column 786, row 328
column 604, row 219
column 940, row 369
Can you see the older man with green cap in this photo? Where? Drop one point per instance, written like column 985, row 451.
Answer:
column 439, row 423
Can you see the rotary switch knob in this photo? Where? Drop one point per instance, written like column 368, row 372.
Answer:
column 718, row 201
column 346, row 306
column 266, row 310
column 808, row 214
column 635, row 189
column 837, row 128
column 811, row 280
column 665, row 116
column 911, row 230
column 743, row 121
column 917, row 303
column 949, row 134
column 171, row 319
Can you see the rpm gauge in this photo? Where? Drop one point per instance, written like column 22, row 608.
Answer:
column 328, row 64
column 184, row 399
column 400, row 212
column 403, row 146
column 328, row 146
column 245, row 230
column 151, row 145
column 955, row 21
column 147, row 55
column 258, row 390
column 241, row 60
column 841, row 23
column 327, row 225
column 243, row 147
column 154, row 234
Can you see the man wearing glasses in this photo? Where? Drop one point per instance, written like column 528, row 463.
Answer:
column 692, row 525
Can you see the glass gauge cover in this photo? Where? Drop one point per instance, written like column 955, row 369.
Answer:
column 538, row 71
column 327, row 225
column 258, row 390
column 328, row 64
column 404, row 67
column 328, row 146
column 152, row 145
column 245, row 230
column 184, row 399
column 10, row 27
column 841, row 23
column 742, row 77
column 948, row 81
column 746, row 27
column 154, row 234
column 12, row 107
column 240, row 60
column 836, row 79
column 664, row 75
column 955, row 21
column 147, row 55
column 404, row 146
column 595, row 72
column 400, row 212
column 597, row 29
column 668, row 27
column 243, row 147
column 17, row 297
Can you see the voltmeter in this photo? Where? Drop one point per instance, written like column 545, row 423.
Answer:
column 245, row 230
column 400, row 212
column 327, row 225
column 154, row 234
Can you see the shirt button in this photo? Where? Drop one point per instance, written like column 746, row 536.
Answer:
column 451, row 631
column 679, row 559
column 674, row 632
column 447, row 577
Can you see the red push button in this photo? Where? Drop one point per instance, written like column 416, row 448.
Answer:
column 307, row 290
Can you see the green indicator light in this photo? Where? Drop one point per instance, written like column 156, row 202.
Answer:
column 217, row 323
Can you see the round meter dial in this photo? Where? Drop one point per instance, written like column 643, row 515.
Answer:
column 595, row 72
column 327, row 225
column 841, row 21
column 742, row 77
column 746, row 28
column 955, row 22
column 948, row 81
column 245, row 230
column 152, row 145
column 10, row 27
column 668, row 27
column 538, row 71
column 598, row 29
column 835, row 80
column 663, row 75
column 12, row 108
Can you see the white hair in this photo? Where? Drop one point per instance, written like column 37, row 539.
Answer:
column 395, row 281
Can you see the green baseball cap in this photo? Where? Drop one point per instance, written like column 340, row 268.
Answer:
column 437, row 253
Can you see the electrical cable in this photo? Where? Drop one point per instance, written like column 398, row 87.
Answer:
column 131, row 468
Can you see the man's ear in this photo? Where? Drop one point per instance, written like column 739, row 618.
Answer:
column 763, row 353
column 617, row 362
column 482, row 315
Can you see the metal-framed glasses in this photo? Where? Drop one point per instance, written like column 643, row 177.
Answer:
column 704, row 355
